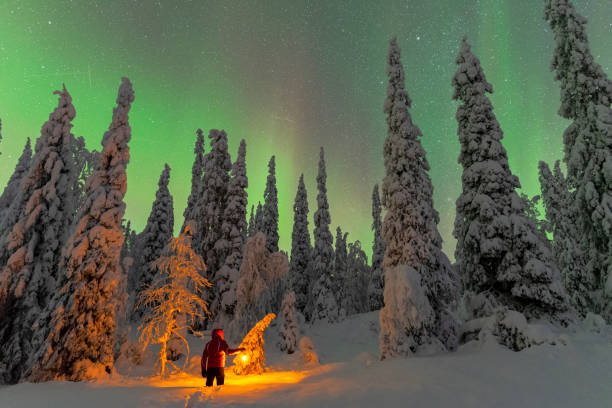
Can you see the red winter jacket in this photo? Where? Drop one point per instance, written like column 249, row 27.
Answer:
column 216, row 350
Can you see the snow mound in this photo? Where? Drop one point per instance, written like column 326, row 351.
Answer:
column 595, row 323
column 510, row 328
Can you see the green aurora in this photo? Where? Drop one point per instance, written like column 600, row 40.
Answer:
column 288, row 77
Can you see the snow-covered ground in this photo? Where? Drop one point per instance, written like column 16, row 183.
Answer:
column 578, row 374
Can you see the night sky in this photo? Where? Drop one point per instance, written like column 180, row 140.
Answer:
column 289, row 77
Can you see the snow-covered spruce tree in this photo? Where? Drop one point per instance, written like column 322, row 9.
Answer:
column 376, row 284
column 196, row 179
column 323, row 300
column 173, row 298
column 322, row 296
column 289, row 331
column 28, row 279
column 251, row 227
column 358, row 277
column 406, row 315
column 133, row 274
column 211, row 206
column 500, row 253
column 258, row 219
column 301, row 250
column 155, row 236
column 253, row 343
column 410, row 227
column 586, row 95
column 234, row 231
column 11, row 192
column 270, row 209
column 339, row 274
column 566, row 247
column 82, row 327
column 261, row 279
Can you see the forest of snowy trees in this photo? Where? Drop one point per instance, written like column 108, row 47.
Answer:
column 75, row 276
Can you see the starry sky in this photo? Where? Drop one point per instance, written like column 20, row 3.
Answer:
column 289, row 77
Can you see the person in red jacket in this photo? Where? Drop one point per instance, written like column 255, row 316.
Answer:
column 213, row 358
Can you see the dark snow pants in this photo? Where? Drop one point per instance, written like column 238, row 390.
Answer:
column 215, row 372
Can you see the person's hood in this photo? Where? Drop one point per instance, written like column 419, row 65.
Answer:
column 218, row 334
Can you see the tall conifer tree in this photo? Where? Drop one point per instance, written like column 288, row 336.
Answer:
column 155, row 237
column 270, row 209
column 212, row 203
column 234, row 234
column 251, row 228
column 376, row 285
column 322, row 300
column 340, row 270
column 28, row 279
column 410, row 227
column 258, row 219
column 301, row 249
column 196, row 179
column 586, row 95
column 500, row 252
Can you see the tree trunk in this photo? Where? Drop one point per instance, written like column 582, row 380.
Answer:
column 162, row 359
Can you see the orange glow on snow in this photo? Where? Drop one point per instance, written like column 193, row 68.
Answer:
column 236, row 383
column 238, row 389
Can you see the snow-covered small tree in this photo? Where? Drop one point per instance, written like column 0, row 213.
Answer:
column 44, row 208
column 253, row 359
column 289, row 331
column 173, row 298
column 270, row 209
column 155, row 236
column 586, row 96
column 376, row 285
column 307, row 351
column 196, row 179
column 407, row 316
column 323, row 253
column 234, row 233
column 301, row 250
column 500, row 252
column 261, row 279
column 410, row 227
column 323, row 300
column 81, row 341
